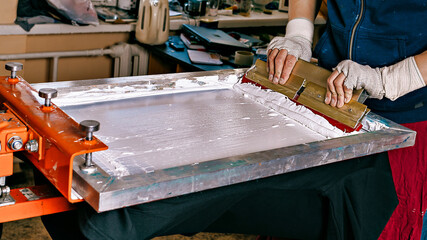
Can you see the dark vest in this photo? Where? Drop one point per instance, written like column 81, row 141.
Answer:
column 378, row 33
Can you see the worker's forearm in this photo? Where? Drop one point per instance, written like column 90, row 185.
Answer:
column 302, row 9
column 421, row 61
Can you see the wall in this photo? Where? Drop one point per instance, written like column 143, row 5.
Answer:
column 12, row 45
column 38, row 70
column 8, row 11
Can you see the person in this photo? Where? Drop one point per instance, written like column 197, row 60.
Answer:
column 346, row 200
column 379, row 46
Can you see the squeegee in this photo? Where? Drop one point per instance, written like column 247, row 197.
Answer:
column 307, row 86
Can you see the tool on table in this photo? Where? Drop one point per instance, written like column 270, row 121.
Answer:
column 214, row 39
column 307, row 86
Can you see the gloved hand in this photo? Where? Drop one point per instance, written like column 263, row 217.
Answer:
column 283, row 52
column 297, row 46
column 391, row 82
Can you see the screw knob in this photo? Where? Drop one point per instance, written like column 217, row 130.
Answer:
column 13, row 67
column 48, row 94
column 89, row 126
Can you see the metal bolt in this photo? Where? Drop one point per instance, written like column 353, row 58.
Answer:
column 48, row 94
column 88, row 160
column 88, row 166
column 13, row 67
column 89, row 126
column 4, row 191
column 32, row 146
column 15, row 143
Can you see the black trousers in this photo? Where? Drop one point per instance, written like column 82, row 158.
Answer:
column 352, row 199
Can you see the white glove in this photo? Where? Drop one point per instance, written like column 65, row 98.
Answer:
column 298, row 39
column 296, row 46
column 391, row 82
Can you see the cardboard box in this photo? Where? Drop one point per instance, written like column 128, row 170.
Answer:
column 8, row 11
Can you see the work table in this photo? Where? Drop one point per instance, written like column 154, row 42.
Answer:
column 202, row 139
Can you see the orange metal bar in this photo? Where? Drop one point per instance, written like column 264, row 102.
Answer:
column 60, row 138
column 33, row 202
column 6, row 164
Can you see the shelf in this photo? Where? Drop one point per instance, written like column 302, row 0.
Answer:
column 256, row 19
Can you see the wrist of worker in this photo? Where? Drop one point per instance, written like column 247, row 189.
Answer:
column 297, row 41
column 300, row 27
column 401, row 78
column 391, row 82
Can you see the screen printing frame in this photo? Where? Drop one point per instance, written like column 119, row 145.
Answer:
column 118, row 192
